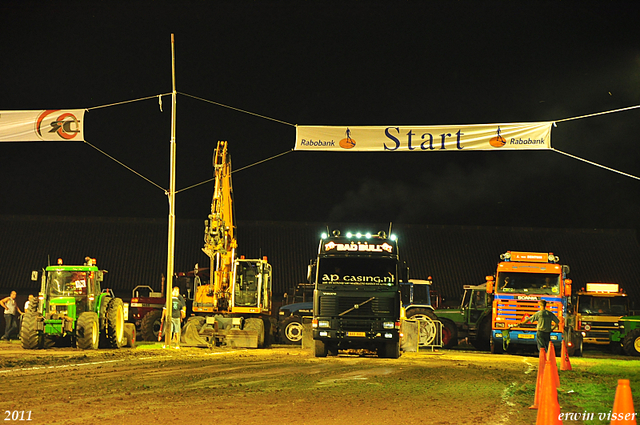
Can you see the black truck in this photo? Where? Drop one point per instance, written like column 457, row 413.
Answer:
column 356, row 300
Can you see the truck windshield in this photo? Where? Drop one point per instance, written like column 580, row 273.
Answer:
column 530, row 283
column 67, row 283
column 605, row 306
column 357, row 271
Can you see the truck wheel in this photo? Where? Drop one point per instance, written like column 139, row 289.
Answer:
column 130, row 335
column 150, row 325
column 291, row 332
column 427, row 323
column 390, row 350
column 28, row 334
column 255, row 325
column 576, row 345
column 616, row 347
column 631, row 344
column 482, row 341
column 112, row 335
column 87, row 331
column 321, row 349
column 496, row 347
column 449, row 334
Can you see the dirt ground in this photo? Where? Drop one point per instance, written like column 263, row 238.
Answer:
column 280, row 385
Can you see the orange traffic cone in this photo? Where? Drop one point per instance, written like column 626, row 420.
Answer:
column 623, row 412
column 541, row 362
column 549, row 410
column 565, row 364
column 554, row 366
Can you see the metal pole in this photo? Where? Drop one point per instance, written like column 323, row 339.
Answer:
column 172, row 198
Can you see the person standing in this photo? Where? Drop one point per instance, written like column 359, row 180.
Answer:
column 10, row 319
column 28, row 303
column 546, row 322
column 178, row 312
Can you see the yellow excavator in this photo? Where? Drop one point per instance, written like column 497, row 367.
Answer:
column 233, row 308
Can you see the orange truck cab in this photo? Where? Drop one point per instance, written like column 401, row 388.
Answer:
column 522, row 279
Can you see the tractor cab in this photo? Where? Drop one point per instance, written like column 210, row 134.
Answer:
column 69, row 291
column 73, row 310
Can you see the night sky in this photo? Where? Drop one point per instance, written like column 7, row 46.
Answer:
column 327, row 63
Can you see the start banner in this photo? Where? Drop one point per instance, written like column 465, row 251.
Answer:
column 515, row 136
column 50, row 125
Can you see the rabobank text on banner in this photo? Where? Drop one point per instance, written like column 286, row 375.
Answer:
column 51, row 125
column 514, row 136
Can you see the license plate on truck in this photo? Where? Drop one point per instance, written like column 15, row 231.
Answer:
column 362, row 334
column 526, row 336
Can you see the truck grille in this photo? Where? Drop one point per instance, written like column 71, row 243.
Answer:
column 333, row 306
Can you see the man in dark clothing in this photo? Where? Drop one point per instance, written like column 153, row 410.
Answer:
column 546, row 322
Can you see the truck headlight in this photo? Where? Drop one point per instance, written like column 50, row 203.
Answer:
column 554, row 338
column 388, row 325
column 499, row 324
column 323, row 333
column 388, row 335
column 323, row 323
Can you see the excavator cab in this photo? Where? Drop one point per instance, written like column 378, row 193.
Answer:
column 252, row 285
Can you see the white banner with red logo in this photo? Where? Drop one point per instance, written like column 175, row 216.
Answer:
column 50, row 125
column 514, row 136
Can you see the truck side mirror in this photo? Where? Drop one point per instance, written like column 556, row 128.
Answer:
column 34, row 275
column 310, row 272
column 489, row 284
column 567, row 287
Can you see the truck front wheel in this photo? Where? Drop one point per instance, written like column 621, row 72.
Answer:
column 390, row 350
column 321, row 349
column 631, row 343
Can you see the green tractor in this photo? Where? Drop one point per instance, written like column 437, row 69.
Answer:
column 472, row 320
column 627, row 336
column 72, row 310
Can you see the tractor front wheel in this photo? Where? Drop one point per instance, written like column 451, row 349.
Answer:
column 28, row 333
column 631, row 344
column 130, row 335
column 87, row 331
column 112, row 335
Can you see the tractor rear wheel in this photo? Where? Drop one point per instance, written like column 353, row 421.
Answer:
column 449, row 334
column 87, row 331
column 150, row 325
column 28, row 334
column 112, row 335
column 631, row 344
column 427, row 324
